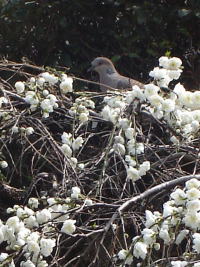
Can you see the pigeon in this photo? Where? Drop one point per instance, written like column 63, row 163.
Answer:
column 109, row 78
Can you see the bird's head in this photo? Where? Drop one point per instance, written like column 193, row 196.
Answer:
column 102, row 65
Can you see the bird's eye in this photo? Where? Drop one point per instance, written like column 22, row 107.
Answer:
column 100, row 63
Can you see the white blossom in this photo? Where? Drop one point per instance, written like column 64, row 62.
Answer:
column 144, row 167
column 174, row 140
column 66, row 85
column 119, row 139
column 68, row 227
column 140, row 250
column 179, row 196
column 133, row 174
column 179, row 89
column 29, row 130
column 88, row 202
column 187, row 99
column 15, row 129
column 3, row 100
column 52, row 99
column 149, row 236
column 192, row 220
column 77, row 143
column 32, row 80
column 27, row 263
column 120, row 148
column 156, row 101
column 46, row 106
column 174, row 63
column 192, row 183
column 1, row 236
column 110, row 114
column 33, row 246
column 196, row 99
column 193, row 193
column 73, row 161
column 46, row 246
column 151, row 218
column 43, row 216
column 14, row 223
column 196, row 115
column 31, row 98
column 81, row 166
column 75, row 192
column 168, row 105
column 168, row 209
column 50, row 78
column 3, row 256
column 3, row 164
column 164, row 62
column 130, row 161
column 156, row 246
column 196, row 242
column 42, row 264
column 40, row 81
column 124, row 123
column 66, row 138
column 129, row 133
column 182, row 234
column 20, row 87
column 33, row 202
column 150, row 90
column 122, row 254
column 195, row 126
column 31, row 222
column 164, row 234
column 83, row 117
column 193, row 205
column 179, row 263
column 174, row 74
column 45, row 93
column 158, row 73
column 66, row 150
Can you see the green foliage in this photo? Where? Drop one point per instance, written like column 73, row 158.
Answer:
column 72, row 33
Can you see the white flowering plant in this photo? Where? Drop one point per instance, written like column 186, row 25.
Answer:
column 89, row 172
column 175, row 228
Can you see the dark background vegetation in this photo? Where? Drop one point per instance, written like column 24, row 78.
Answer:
column 133, row 33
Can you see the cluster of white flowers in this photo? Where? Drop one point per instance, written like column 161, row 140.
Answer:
column 179, row 108
column 48, row 78
column 70, row 146
column 26, row 130
column 128, row 147
column 170, row 69
column 36, row 92
column 114, row 108
column 32, row 231
column 80, row 109
column 125, row 143
column 181, row 212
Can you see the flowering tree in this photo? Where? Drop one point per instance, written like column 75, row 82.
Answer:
column 75, row 165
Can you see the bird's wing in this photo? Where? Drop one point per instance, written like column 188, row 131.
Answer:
column 125, row 83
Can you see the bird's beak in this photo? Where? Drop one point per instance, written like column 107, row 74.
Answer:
column 90, row 69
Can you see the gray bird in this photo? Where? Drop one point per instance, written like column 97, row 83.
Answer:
column 109, row 77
